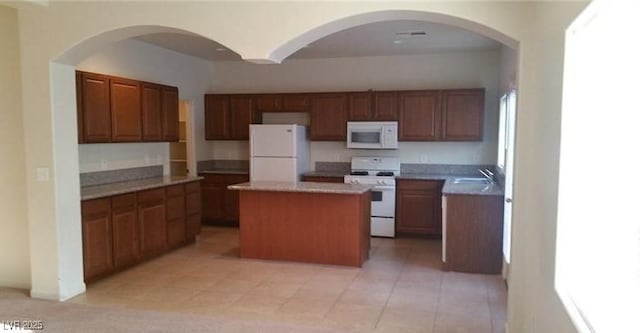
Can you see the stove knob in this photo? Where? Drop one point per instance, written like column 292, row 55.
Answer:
column 382, row 182
column 355, row 181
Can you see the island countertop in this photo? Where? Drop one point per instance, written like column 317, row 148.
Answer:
column 308, row 187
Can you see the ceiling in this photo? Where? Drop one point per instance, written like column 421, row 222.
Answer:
column 374, row 39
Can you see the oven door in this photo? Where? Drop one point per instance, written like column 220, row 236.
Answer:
column 383, row 201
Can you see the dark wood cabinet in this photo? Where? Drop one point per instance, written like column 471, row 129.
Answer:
column 126, row 120
column 122, row 230
column 385, row 106
column 328, row 117
column 193, row 211
column 419, row 207
column 124, row 218
column 420, row 115
column 281, row 102
column 114, row 109
column 151, row 112
column 176, row 226
column 360, row 106
column 462, row 114
column 227, row 117
column 96, row 238
column 474, row 233
column 152, row 222
column 323, row 179
column 170, row 114
column 94, row 110
column 220, row 205
column 241, row 115
column 216, row 117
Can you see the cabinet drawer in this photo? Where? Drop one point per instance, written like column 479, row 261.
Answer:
column 192, row 187
column 193, row 203
column 124, row 201
column 96, row 207
column 424, row 185
column 175, row 207
column 151, row 195
column 175, row 190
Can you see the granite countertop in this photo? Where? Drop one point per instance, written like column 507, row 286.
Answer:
column 225, row 171
column 449, row 187
column 325, row 174
column 307, row 187
column 106, row 190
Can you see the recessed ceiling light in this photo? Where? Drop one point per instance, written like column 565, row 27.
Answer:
column 221, row 49
column 398, row 41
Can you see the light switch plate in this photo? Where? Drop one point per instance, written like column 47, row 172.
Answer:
column 42, row 174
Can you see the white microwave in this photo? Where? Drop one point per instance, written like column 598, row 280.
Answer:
column 372, row 134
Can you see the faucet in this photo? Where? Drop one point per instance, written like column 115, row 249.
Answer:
column 488, row 174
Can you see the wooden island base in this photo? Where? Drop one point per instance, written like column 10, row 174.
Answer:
column 324, row 228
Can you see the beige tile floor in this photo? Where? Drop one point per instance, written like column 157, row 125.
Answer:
column 400, row 289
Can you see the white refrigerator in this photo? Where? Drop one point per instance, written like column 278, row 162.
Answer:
column 278, row 152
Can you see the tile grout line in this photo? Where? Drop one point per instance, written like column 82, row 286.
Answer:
column 435, row 316
column 384, row 307
column 486, row 290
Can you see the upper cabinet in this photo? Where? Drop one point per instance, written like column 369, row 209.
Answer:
column 445, row 115
column 94, row 111
column 462, row 114
column 419, row 115
column 113, row 109
column 373, row 106
column 282, row 102
column 422, row 115
column 227, row 117
column 125, row 111
column 328, row 117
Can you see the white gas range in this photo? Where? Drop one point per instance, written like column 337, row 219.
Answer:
column 379, row 172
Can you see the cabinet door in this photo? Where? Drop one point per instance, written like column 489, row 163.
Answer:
column 212, row 197
column 96, row 238
column 125, row 111
column 328, row 117
column 230, row 205
column 418, row 212
column 295, row 103
column 151, row 112
column 419, row 115
column 241, row 112
column 124, row 220
column 152, row 222
column 360, row 106
column 268, row 102
column 170, row 114
column 462, row 114
column 216, row 117
column 193, row 226
column 95, row 108
column 385, row 106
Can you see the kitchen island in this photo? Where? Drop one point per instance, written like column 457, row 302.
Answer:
column 312, row 222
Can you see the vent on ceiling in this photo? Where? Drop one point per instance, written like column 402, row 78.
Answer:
column 406, row 34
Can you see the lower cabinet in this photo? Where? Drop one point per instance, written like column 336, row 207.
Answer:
column 122, row 230
column 220, row 206
column 153, row 222
column 96, row 238
column 418, row 210
column 124, row 219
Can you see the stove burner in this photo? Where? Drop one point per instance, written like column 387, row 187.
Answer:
column 359, row 173
column 384, row 173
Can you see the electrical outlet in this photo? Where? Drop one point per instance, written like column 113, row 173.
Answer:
column 147, row 160
column 159, row 159
column 42, row 174
column 424, row 158
column 338, row 157
column 103, row 164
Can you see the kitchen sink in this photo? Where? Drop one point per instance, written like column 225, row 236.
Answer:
column 471, row 180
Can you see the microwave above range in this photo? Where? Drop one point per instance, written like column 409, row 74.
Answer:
column 372, row 134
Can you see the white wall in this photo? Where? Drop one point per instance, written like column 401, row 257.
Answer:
column 431, row 71
column 142, row 61
column 508, row 69
column 14, row 240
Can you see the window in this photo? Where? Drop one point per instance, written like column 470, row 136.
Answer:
column 598, row 244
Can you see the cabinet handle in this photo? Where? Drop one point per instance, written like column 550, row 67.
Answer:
column 508, row 200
